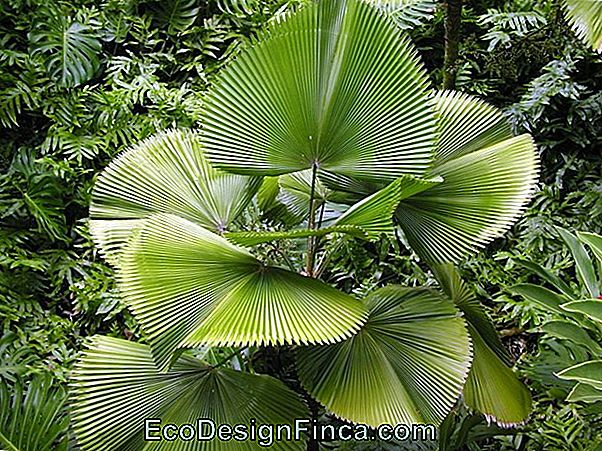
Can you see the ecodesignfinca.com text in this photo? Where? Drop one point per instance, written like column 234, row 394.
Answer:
column 266, row 435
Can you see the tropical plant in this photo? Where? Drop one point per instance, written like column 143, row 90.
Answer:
column 575, row 311
column 33, row 418
column 586, row 18
column 332, row 103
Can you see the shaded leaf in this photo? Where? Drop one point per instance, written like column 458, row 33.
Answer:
column 33, row 417
column 541, row 297
column 586, row 372
column 585, row 393
column 590, row 308
column 583, row 262
column 116, row 383
column 572, row 332
column 72, row 48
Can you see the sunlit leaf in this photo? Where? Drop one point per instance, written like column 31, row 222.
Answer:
column 336, row 84
column 488, row 178
column 188, row 286
column 492, row 388
column 166, row 173
column 586, row 18
column 406, row 365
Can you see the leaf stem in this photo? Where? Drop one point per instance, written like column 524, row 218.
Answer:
column 311, row 223
column 6, row 442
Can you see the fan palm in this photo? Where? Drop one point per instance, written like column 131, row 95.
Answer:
column 327, row 124
column 586, row 18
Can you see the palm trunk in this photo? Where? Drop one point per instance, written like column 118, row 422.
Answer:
column 453, row 21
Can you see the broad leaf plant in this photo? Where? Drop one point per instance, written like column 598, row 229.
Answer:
column 327, row 124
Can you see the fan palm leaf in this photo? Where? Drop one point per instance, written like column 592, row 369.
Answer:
column 166, row 173
column 374, row 214
column 336, row 85
column 116, row 386
column 586, row 18
column 33, row 418
column 492, row 388
column 488, row 174
column 188, row 286
column 407, row 364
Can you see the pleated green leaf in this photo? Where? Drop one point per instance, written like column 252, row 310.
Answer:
column 255, row 238
column 116, row 386
column 33, row 416
column 166, row 173
column 336, row 84
column 590, row 308
column 374, row 214
column 474, row 313
column 492, row 387
column 188, row 286
column 488, row 179
column 586, row 18
column 587, row 372
column 407, row 364
column 467, row 124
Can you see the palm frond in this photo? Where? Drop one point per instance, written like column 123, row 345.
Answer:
column 33, row 418
column 586, row 18
column 116, row 386
column 492, row 388
column 255, row 238
column 336, row 84
column 374, row 214
column 188, row 286
column 166, row 173
column 489, row 176
column 406, row 365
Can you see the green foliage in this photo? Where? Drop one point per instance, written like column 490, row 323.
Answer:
column 143, row 66
column 69, row 46
column 33, row 418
